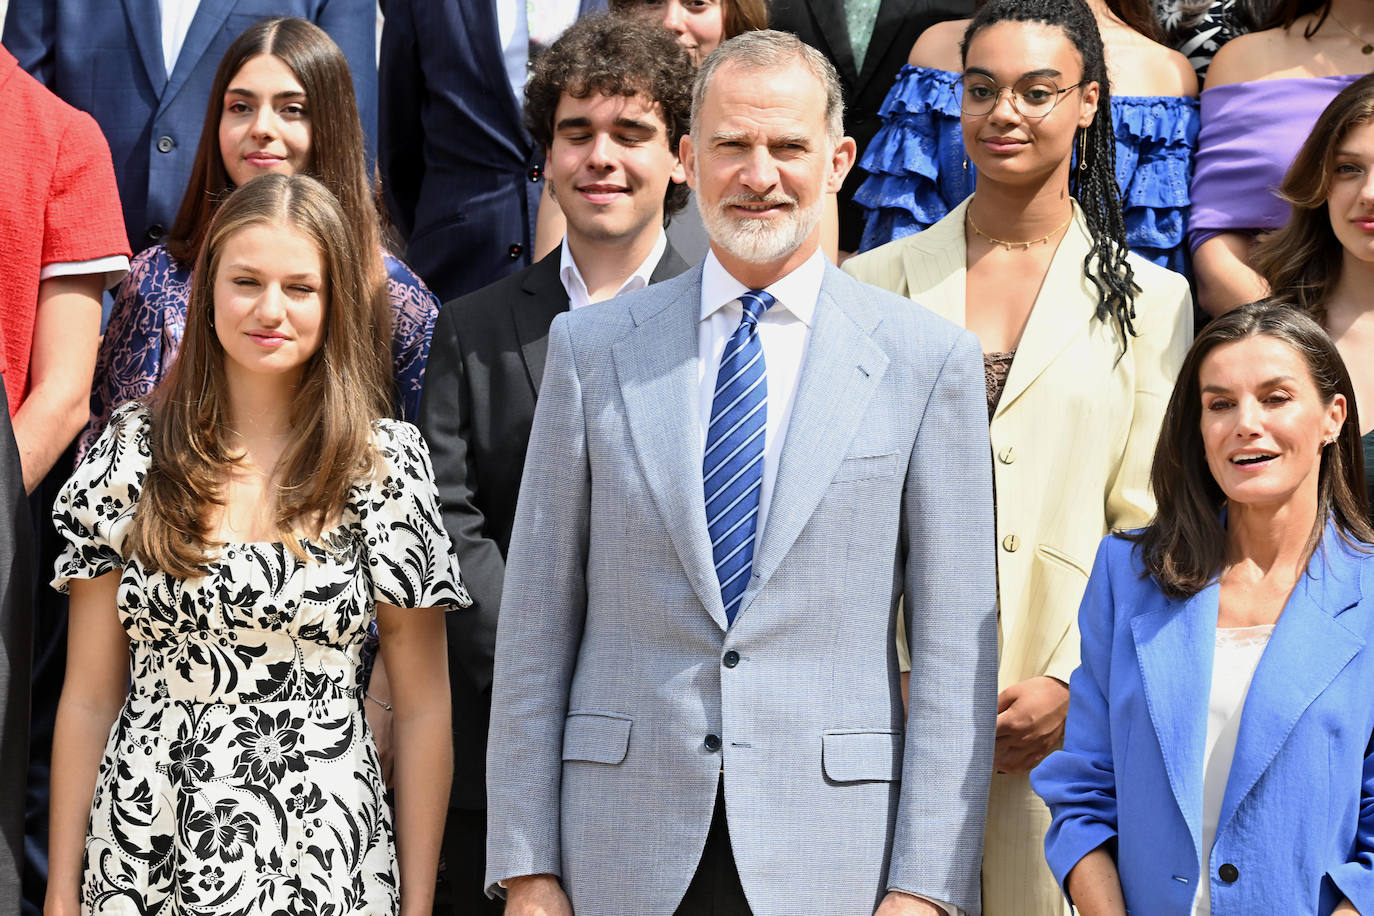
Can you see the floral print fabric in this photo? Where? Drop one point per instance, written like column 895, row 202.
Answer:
column 240, row 776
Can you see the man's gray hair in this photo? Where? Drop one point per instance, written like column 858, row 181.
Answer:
column 767, row 49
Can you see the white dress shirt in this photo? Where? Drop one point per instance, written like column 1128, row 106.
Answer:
column 514, row 30
column 577, row 287
column 784, row 333
column 176, row 22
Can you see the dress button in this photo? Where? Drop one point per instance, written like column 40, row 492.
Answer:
column 156, row 231
column 166, row 144
column 713, row 742
column 536, row 173
column 515, row 251
column 1228, row 873
column 1010, row 543
column 731, row 659
column 1007, row 455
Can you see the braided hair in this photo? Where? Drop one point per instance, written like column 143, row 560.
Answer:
column 1093, row 181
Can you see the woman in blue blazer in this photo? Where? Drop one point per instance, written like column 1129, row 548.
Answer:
column 1217, row 757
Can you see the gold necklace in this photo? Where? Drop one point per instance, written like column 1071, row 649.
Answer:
column 1366, row 47
column 968, row 214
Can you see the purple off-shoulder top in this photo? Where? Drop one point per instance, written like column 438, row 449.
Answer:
column 1250, row 134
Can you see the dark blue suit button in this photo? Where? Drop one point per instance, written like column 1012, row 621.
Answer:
column 166, row 144
column 713, row 742
column 156, row 231
column 536, row 173
column 515, row 251
column 1228, row 873
column 731, row 659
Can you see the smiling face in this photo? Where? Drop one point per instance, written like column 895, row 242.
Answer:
column 1350, row 200
column 270, row 297
column 1004, row 144
column 264, row 125
column 609, row 166
column 698, row 24
column 1263, row 422
column 761, row 164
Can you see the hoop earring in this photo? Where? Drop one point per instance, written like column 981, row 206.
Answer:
column 1082, row 149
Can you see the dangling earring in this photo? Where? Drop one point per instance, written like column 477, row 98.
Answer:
column 1082, row 149
column 965, row 162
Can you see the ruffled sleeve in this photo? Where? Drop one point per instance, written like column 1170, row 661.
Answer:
column 1155, row 140
column 96, row 506
column 915, row 163
column 410, row 560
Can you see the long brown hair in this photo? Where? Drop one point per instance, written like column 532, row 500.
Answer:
column 1302, row 260
column 737, row 16
column 337, row 156
column 1184, row 548
column 344, row 388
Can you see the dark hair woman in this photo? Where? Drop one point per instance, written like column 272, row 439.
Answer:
column 1081, row 339
column 1217, row 754
column 1322, row 259
column 229, row 542
column 282, row 102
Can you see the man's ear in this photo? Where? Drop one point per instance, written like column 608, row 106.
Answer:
column 841, row 161
column 687, row 161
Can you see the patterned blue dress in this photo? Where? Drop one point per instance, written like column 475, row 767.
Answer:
column 917, row 172
column 149, row 319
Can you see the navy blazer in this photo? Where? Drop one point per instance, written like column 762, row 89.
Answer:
column 462, row 176
column 105, row 57
column 1296, row 828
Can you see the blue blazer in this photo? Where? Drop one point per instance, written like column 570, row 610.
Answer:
column 462, row 176
column 105, row 57
column 1296, row 829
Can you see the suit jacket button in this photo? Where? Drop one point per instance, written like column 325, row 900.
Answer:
column 536, row 173
column 155, row 232
column 1010, row 543
column 515, row 251
column 1007, row 455
column 1228, row 873
column 713, row 742
column 731, row 659
column 165, row 144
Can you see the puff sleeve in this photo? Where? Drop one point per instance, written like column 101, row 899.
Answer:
column 411, row 562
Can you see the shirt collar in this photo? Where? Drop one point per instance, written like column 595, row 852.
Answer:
column 797, row 292
column 576, row 287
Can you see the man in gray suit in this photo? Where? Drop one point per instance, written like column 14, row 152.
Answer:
column 733, row 477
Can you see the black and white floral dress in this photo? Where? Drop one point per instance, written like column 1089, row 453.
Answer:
column 240, row 776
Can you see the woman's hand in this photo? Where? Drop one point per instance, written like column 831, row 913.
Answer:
column 1030, row 723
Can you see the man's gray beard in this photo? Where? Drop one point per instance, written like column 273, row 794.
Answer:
column 759, row 241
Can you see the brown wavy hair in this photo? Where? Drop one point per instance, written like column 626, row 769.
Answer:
column 1184, row 548
column 343, row 390
column 337, row 157
column 737, row 16
column 1302, row 260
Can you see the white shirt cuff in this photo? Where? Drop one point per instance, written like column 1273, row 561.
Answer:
column 113, row 267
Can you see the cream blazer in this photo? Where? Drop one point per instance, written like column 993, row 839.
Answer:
column 1074, row 433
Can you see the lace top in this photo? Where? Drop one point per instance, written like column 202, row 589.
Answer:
column 995, row 369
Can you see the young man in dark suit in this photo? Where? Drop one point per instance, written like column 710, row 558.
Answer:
column 609, row 101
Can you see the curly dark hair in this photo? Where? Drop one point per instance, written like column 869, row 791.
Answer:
column 615, row 55
column 1093, row 181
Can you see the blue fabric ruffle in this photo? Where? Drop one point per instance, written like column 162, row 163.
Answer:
column 917, row 171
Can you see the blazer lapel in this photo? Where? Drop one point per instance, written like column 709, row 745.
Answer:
column 1308, row 648
column 1174, row 647
column 934, row 265
column 145, row 21
column 842, row 369
column 544, row 298
column 1065, row 299
column 830, row 17
column 656, row 364
column 886, row 28
column 205, row 24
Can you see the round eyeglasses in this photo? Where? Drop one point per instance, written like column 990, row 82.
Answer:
column 1032, row 96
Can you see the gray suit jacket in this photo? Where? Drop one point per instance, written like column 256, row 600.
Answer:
column 611, row 667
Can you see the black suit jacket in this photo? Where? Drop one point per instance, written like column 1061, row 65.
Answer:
column 485, row 364
column 820, row 23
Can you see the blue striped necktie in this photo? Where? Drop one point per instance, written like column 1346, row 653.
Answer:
column 733, row 466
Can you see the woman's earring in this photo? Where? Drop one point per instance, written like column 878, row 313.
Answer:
column 965, row 162
column 1082, row 149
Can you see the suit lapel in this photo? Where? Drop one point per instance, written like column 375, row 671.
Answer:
column 1174, row 647
column 933, row 264
column 532, row 314
column 1066, row 299
column 886, row 28
column 1308, row 648
column 145, row 21
column 842, row 369
column 656, row 364
column 830, row 17
column 205, row 24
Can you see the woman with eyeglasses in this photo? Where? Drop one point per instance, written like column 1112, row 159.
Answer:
column 919, row 171
column 1081, row 341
